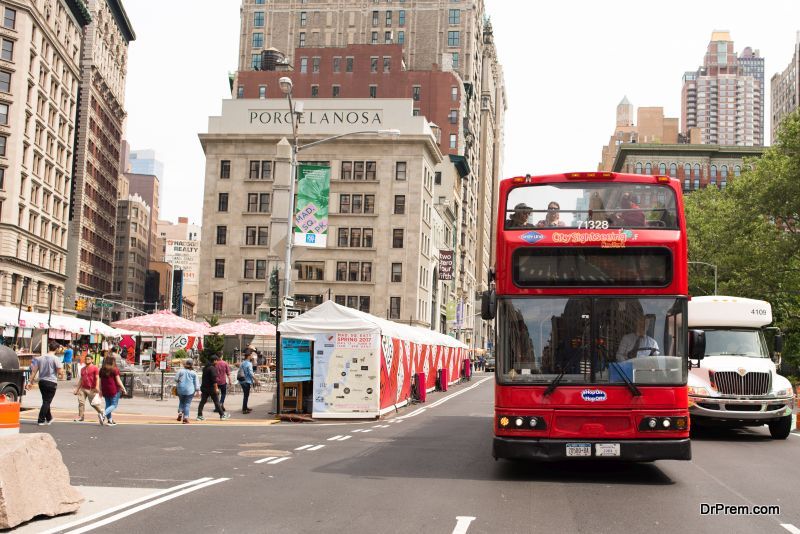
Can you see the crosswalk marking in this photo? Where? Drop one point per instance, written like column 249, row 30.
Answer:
column 304, row 447
column 278, row 460
column 335, row 438
column 316, row 448
column 261, row 461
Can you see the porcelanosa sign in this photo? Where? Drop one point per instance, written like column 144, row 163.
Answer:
column 344, row 117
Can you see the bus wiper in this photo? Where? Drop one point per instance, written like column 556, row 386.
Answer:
column 554, row 384
column 634, row 390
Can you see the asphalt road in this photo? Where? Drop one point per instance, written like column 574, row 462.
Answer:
column 417, row 471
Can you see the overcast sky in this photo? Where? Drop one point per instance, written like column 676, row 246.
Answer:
column 567, row 65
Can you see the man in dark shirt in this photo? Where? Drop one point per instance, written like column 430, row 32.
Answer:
column 208, row 388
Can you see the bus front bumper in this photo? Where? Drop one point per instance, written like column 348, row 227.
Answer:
column 637, row 450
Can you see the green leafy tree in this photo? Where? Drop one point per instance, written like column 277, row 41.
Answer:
column 213, row 343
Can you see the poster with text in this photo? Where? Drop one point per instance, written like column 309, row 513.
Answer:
column 311, row 210
column 346, row 375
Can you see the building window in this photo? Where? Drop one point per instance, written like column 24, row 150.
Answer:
column 394, row 307
column 737, row 171
column 454, row 16
column 217, row 305
column 357, row 205
column 303, row 19
column 337, row 64
column 247, row 304
column 401, row 17
column 308, row 270
column 453, row 116
column 303, row 65
column 302, row 41
column 455, row 60
column 240, row 91
column 454, row 93
column 373, row 64
column 341, row 271
column 258, row 19
column 335, row 91
column 673, row 170
column 366, row 237
column 258, row 40
column 453, row 141
column 400, row 170
column 355, row 238
column 397, row 238
column 387, row 37
column 10, row 18
column 369, row 203
column 687, row 171
column 352, row 271
column 437, row 178
column 366, row 271
column 401, row 37
column 8, row 50
column 344, row 237
column 5, row 81
column 397, row 272
column 225, row 169
column 314, row 91
column 341, row 300
column 222, row 203
column 222, row 235
column 262, row 92
column 263, row 236
column 255, row 61
column 415, row 91
column 358, row 170
column 453, row 38
column 250, row 235
column 363, row 304
column 388, row 18
column 399, row 204
column 387, row 64
column 375, row 18
column 249, row 268
column 373, row 91
column 348, row 66
column 662, row 168
column 315, row 64
column 374, row 39
column 219, row 268
column 344, row 203
column 648, row 168
column 347, row 170
column 371, row 171
column 713, row 179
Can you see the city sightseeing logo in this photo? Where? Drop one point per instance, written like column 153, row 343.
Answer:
column 531, row 237
column 607, row 240
column 593, row 395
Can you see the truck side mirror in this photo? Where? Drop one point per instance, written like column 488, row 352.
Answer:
column 697, row 344
column 488, row 304
column 778, row 342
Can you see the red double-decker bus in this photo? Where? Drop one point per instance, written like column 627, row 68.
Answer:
column 590, row 301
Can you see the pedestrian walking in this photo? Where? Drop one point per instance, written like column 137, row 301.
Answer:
column 223, row 379
column 188, row 385
column 88, row 388
column 210, row 389
column 245, row 378
column 48, row 369
column 68, row 366
column 111, row 386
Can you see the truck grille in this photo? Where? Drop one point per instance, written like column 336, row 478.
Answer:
column 732, row 383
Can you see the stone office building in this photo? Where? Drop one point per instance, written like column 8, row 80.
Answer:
column 379, row 253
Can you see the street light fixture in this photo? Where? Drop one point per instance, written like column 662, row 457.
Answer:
column 296, row 109
column 715, row 271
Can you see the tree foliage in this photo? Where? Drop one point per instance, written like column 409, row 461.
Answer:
column 751, row 232
column 213, row 343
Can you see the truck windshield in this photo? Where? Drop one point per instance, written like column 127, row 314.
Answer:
column 601, row 340
column 729, row 342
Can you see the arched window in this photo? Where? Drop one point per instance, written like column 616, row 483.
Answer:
column 662, row 168
column 639, row 168
column 696, row 177
column 737, row 170
column 724, row 177
column 687, row 170
column 713, row 179
column 673, row 170
column 648, row 169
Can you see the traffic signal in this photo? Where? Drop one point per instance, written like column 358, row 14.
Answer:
column 80, row 304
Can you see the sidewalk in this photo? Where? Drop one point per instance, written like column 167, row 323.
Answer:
column 143, row 410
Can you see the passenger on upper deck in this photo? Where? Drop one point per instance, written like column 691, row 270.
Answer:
column 552, row 217
column 631, row 215
column 519, row 219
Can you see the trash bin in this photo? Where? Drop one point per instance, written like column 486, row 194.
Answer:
column 127, row 381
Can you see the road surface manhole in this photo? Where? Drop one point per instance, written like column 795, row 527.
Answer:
column 260, row 453
column 253, row 445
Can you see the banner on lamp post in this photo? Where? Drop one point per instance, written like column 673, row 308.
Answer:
column 445, row 265
column 311, row 210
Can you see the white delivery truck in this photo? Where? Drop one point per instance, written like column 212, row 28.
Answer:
column 737, row 383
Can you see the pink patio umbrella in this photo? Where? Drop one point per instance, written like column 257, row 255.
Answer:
column 160, row 323
column 243, row 327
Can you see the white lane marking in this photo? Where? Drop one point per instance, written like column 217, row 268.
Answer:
column 367, row 430
column 358, row 430
column 343, row 438
column 443, row 400
column 124, row 505
column 318, row 447
column 795, row 434
column 279, row 460
column 791, row 528
column 304, row 447
column 381, row 426
column 462, row 524
column 267, row 459
column 141, row 507
column 335, row 438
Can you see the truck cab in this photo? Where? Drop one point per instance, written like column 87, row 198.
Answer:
column 737, row 383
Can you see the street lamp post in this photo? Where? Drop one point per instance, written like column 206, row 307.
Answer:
column 296, row 111
column 715, row 272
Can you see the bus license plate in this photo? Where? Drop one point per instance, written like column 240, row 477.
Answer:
column 579, row 449
column 606, row 449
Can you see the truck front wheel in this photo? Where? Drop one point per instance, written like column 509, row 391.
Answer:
column 11, row 393
column 781, row 428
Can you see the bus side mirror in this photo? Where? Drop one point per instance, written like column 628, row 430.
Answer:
column 488, row 304
column 697, row 344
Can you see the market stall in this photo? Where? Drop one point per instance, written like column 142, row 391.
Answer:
column 362, row 366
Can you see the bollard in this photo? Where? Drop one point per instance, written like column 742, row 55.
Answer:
column 9, row 417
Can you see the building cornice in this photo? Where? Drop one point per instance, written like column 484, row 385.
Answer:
column 80, row 11
column 122, row 19
column 628, row 150
column 35, row 268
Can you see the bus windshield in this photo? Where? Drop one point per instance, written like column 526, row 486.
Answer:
column 589, row 205
column 592, row 340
